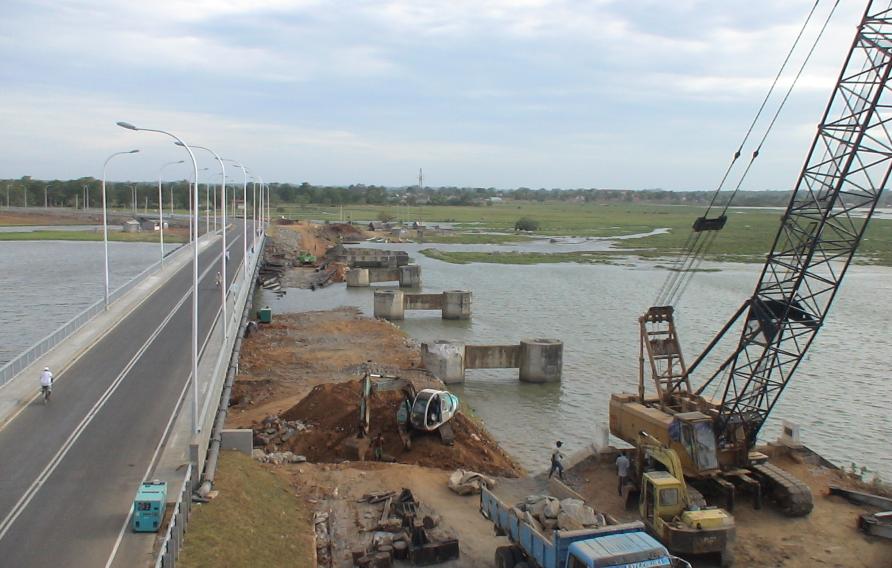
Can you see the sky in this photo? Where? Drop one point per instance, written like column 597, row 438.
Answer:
column 481, row 93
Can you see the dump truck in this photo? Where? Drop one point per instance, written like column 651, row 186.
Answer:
column 621, row 545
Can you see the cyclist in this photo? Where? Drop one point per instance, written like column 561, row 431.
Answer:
column 219, row 279
column 46, row 383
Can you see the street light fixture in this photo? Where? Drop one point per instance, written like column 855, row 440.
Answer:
column 195, row 426
column 161, row 207
column 105, row 217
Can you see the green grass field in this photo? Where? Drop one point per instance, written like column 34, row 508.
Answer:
column 144, row 237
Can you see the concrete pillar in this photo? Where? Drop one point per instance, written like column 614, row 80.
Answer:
column 410, row 276
column 445, row 360
column 358, row 277
column 389, row 304
column 457, row 305
column 541, row 360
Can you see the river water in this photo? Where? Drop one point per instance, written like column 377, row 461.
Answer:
column 840, row 395
column 46, row 283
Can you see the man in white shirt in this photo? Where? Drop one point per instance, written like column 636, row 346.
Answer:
column 622, row 471
column 557, row 459
column 46, row 381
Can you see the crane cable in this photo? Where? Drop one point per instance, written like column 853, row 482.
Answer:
column 684, row 267
column 680, row 265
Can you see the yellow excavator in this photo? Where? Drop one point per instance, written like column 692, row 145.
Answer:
column 674, row 514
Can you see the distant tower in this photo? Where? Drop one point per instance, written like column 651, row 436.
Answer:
column 420, row 179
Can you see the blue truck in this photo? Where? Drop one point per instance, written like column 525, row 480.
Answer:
column 621, row 545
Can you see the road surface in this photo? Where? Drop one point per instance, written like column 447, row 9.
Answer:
column 70, row 468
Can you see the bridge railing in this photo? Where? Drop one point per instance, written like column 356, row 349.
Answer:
column 176, row 530
column 27, row 357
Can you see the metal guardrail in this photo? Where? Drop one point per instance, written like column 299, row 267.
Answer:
column 22, row 361
column 176, row 530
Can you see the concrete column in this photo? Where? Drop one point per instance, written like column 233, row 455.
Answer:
column 445, row 360
column 456, row 305
column 389, row 304
column 541, row 360
column 358, row 277
column 410, row 276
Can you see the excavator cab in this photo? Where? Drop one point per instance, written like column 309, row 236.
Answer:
column 432, row 408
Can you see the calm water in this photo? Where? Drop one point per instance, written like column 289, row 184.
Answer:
column 840, row 395
column 46, row 283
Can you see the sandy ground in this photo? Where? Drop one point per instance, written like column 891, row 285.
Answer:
column 827, row 537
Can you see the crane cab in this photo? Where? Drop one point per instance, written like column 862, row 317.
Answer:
column 432, row 408
column 149, row 506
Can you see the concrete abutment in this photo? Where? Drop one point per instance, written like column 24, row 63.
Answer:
column 392, row 304
column 537, row 360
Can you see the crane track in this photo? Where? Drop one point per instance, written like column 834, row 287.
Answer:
column 792, row 495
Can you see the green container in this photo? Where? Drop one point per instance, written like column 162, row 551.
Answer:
column 265, row 315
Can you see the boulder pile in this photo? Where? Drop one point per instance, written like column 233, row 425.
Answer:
column 469, row 482
column 546, row 513
column 273, row 431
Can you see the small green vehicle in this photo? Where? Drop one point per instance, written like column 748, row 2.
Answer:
column 306, row 258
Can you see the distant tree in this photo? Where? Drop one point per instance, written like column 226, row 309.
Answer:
column 385, row 217
column 526, row 224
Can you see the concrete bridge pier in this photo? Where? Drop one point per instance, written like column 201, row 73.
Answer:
column 445, row 360
column 389, row 304
column 541, row 360
column 410, row 276
column 358, row 278
column 457, row 305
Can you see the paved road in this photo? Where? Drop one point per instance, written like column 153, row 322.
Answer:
column 70, row 468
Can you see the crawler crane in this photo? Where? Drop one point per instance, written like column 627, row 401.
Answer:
column 713, row 428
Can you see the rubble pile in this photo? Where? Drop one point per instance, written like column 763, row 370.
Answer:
column 277, row 458
column 546, row 513
column 274, row 432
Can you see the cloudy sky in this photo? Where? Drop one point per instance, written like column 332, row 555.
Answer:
column 503, row 93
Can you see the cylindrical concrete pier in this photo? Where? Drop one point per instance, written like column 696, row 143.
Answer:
column 457, row 305
column 445, row 360
column 541, row 360
column 358, row 277
column 389, row 304
column 410, row 276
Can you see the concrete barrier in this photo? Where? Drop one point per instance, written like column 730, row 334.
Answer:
column 408, row 276
column 538, row 360
column 392, row 304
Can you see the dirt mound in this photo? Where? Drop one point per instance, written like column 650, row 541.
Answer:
column 332, row 412
column 341, row 230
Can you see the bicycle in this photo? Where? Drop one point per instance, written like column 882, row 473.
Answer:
column 46, row 391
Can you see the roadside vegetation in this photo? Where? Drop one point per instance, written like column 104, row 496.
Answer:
column 143, row 237
column 255, row 520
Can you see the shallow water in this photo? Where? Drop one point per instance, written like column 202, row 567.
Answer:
column 840, row 395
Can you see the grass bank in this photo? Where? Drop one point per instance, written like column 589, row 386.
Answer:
column 256, row 520
column 90, row 236
column 476, row 239
column 524, row 257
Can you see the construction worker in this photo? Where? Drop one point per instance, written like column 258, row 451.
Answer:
column 557, row 459
column 622, row 472
column 378, row 447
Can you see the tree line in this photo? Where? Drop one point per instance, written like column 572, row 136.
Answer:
column 71, row 193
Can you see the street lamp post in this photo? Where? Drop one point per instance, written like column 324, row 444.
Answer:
column 195, row 426
column 244, row 216
column 161, row 207
column 223, row 285
column 105, row 217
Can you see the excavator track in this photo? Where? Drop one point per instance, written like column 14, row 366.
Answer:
column 792, row 495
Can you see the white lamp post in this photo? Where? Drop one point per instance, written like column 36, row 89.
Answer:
column 160, row 206
column 223, row 285
column 105, row 217
column 195, row 426
column 244, row 216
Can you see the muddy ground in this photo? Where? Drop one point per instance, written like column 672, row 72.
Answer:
column 766, row 538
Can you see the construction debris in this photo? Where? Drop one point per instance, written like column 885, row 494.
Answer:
column 405, row 532
column 469, row 482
